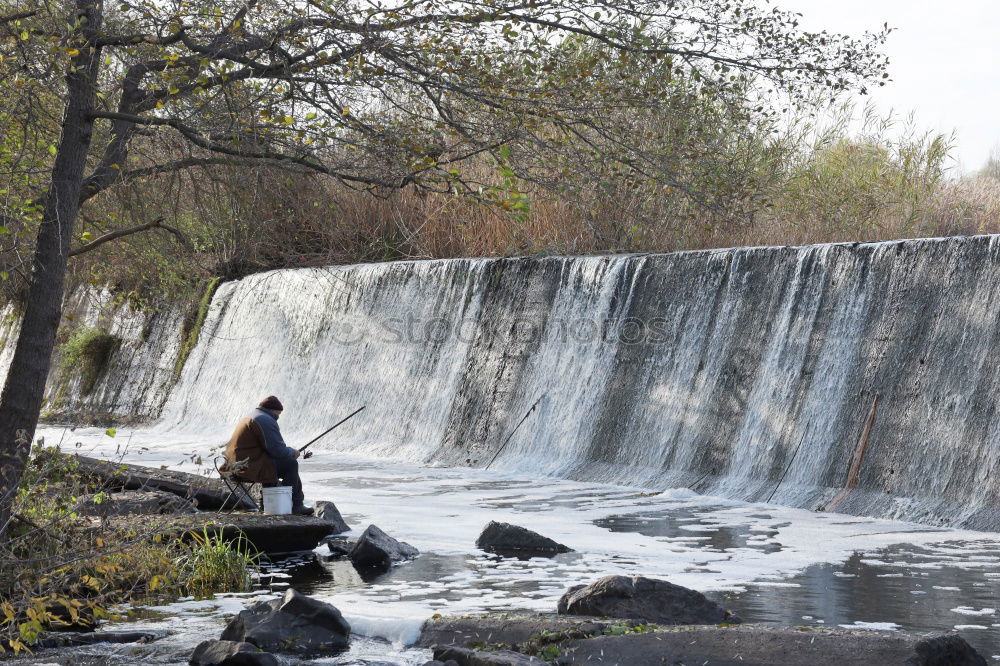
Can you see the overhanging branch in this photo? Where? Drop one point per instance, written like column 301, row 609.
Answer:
column 201, row 141
column 113, row 235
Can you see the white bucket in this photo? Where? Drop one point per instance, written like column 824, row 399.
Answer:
column 278, row 500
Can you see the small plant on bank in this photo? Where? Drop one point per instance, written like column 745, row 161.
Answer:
column 214, row 564
column 87, row 350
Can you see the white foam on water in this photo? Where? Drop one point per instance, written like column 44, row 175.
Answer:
column 368, row 618
column 872, row 626
column 442, row 510
column 966, row 610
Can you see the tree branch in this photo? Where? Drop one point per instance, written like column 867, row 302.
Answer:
column 192, row 162
column 4, row 20
column 197, row 139
column 113, row 235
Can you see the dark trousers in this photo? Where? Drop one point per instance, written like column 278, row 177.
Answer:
column 288, row 473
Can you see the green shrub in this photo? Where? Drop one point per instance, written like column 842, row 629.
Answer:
column 87, row 350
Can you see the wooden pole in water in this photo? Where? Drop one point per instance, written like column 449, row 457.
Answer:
column 854, row 471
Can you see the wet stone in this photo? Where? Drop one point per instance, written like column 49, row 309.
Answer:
column 376, row 551
column 647, row 599
column 507, row 539
column 467, row 657
column 292, row 623
column 231, row 653
column 328, row 511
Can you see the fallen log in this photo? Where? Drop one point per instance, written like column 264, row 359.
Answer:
column 207, row 493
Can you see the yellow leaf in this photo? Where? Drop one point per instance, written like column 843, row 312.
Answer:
column 24, row 35
column 72, row 52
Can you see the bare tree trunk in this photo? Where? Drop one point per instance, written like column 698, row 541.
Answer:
column 21, row 400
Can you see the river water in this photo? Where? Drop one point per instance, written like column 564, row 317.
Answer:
column 767, row 563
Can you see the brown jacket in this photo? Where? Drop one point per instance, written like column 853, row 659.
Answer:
column 246, row 449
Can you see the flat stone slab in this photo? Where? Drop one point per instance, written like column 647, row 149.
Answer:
column 207, row 493
column 578, row 640
column 508, row 628
column 268, row 534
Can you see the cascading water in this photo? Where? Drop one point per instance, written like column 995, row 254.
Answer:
column 747, row 373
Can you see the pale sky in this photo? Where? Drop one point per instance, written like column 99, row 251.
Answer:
column 944, row 62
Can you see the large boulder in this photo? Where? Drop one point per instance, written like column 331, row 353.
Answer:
column 376, row 551
column 328, row 511
column 945, row 650
column 646, row 599
column 507, row 539
column 467, row 657
column 293, row 623
column 231, row 653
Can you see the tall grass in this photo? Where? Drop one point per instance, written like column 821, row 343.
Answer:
column 215, row 564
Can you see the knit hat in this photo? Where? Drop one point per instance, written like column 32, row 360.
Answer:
column 270, row 402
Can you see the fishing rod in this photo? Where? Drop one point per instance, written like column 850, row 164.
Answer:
column 507, row 441
column 315, row 439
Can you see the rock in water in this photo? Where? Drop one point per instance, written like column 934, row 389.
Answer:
column 647, row 599
column 294, row 623
column 339, row 546
column 328, row 511
column 376, row 551
column 231, row 653
column 945, row 650
column 504, row 538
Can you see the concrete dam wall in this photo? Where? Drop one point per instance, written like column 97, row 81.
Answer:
column 860, row 378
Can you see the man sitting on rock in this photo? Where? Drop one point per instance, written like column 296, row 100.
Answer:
column 256, row 452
